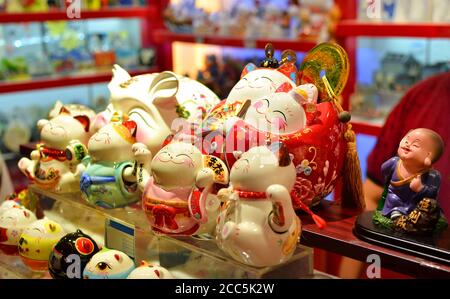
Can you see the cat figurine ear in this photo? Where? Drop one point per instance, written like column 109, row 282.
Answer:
column 64, row 110
column 248, row 68
column 84, row 121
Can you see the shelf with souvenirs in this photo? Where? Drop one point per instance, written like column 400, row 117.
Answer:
column 126, row 155
column 349, row 23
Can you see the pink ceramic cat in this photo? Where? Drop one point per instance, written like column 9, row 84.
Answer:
column 177, row 191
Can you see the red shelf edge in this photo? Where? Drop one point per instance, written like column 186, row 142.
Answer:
column 63, row 81
column 161, row 36
column 349, row 28
column 366, row 128
column 123, row 12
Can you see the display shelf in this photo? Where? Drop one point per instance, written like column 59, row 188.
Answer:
column 161, row 36
column 338, row 238
column 348, row 28
column 185, row 257
column 88, row 77
column 119, row 12
column 368, row 128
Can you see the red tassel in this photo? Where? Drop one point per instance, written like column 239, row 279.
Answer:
column 319, row 221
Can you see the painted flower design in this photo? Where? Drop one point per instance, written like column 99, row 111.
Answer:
column 304, row 190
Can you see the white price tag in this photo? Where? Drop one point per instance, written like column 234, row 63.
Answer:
column 121, row 236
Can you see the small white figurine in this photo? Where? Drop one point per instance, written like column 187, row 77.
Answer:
column 12, row 223
column 258, row 225
column 109, row 264
column 108, row 177
column 149, row 271
column 53, row 164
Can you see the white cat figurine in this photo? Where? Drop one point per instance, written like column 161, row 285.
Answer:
column 12, row 223
column 63, row 146
column 108, row 176
column 149, row 271
column 258, row 225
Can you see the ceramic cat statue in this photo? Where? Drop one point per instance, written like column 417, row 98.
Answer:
column 154, row 102
column 278, row 103
column 410, row 201
column 257, row 225
column 76, row 246
column 63, row 145
column 108, row 176
column 37, row 241
column 12, row 223
column 177, row 192
column 109, row 264
column 149, row 271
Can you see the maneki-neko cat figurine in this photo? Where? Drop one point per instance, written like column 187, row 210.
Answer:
column 258, row 225
column 63, row 145
column 36, row 243
column 108, row 173
column 13, row 221
column 178, row 194
column 277, row 103
column 409, row 203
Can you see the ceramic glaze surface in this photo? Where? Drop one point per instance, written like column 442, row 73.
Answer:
column 154, row 102
column 37, row 241
column 62, row 263
column 177, row 192
column 63, row 145
column 109, row 264
column 149, row 271
column 107, row 177
column 258, row 82
column 12, row 223
column 258, row 225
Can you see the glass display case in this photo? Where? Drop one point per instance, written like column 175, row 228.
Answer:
column 387, row 68
column 184, row 257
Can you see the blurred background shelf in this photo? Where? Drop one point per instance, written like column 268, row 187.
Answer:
column 88, row 77
column 122, row 12
column 348, row 28
column 162, row 35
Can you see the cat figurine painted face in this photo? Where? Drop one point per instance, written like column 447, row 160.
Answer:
column 109, row 264
column 278, row 113
column 12, row 223
column 37, row 241
column 60, row 130
column 256, row 83
column 177, row 195
column 149, row 271
column 108, row 178
column 257, row 225
column 113, row 142
column 63, row 145
column 176, row 158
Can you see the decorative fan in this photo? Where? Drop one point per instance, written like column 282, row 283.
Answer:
column 326, row 59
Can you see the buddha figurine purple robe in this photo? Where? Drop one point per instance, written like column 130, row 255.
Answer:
column 410, row 176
